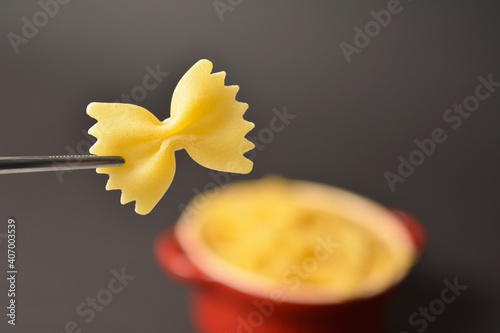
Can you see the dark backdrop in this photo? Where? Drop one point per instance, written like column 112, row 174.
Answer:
column 353, row 121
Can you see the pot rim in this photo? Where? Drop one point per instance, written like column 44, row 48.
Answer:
column 355, row 207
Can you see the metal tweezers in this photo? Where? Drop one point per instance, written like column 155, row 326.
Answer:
column 23, row 164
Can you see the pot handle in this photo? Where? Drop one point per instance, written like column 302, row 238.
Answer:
column 414, row 228
column 174, row 261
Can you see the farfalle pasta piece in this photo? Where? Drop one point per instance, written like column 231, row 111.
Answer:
column 206, row 120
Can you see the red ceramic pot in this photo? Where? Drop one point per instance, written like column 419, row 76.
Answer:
column 218, row 308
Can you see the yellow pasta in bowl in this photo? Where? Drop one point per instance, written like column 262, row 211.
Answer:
column 316, row 242
column 205, row 120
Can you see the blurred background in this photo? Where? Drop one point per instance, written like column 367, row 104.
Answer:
column 359, row 101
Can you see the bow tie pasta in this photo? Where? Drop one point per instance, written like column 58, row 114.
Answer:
column 206, row 120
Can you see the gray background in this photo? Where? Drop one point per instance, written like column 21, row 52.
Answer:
column 353, row 121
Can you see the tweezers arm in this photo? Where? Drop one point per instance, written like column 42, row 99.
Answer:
column 22, row 164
